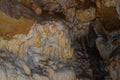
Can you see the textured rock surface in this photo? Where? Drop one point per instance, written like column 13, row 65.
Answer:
column 86, row 15
column 51, row 39
column 59, row 39
column 31, row 53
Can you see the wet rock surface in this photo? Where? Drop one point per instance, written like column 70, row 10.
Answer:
column 59, row 39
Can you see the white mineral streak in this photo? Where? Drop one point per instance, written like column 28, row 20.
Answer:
column 50, row 38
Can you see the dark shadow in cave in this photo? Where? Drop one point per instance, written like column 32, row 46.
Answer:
column 86, row 56
column 96, row 61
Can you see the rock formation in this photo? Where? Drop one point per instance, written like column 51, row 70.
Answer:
column 59, row 39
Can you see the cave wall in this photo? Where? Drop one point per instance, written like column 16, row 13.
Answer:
column 59, row 39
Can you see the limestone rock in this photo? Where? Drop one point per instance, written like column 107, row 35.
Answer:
column 86, row 15
column 52, row 35
column 2, row 75
column 62, row 75
column 37, row 51
column 117, row 4
column 38, row 77
column 70, row 14
column 108, row 3
column 114, row 66
column 31, row 5
column 47, row 51
column 83, row 29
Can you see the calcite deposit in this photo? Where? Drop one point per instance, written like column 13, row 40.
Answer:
column 48, row 40
column 59, row 39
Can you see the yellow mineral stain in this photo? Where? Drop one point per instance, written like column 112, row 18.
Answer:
column 46, row 31
column 37, row 40
column 10, row 26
